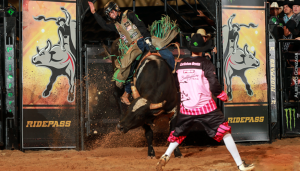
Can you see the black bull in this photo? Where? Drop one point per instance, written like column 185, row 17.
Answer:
column 155, row 84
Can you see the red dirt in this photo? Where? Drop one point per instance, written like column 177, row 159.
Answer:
column 107, row 155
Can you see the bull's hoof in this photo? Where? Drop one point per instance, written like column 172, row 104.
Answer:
column 151, row 157
column 71, row 97
column 250, row 92
column 229, row 95
column 46, row 93
column 151, row 152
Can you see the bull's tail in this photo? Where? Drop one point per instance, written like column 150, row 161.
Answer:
column 248, row 26
column 41, row 17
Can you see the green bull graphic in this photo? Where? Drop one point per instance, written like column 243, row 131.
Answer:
column 289, row 115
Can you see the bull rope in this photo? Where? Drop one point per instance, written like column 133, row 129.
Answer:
column 161, row 28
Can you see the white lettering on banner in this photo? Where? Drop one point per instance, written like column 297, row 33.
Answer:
column 296, row 75
column 273, row 81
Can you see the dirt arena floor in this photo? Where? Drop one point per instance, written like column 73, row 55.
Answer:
column 123, row 152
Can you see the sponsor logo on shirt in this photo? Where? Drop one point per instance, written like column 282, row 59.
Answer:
column 133, row 35
column 189, row 71
column 123, row 37
column 184, row 96
column 127, row 26
column 187, row 77
column 190, row 63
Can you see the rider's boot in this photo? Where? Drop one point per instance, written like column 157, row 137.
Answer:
column 124, row 98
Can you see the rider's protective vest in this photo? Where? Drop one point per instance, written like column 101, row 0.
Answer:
column 127, row 30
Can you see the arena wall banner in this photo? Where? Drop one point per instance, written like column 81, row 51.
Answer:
column 49, row 58
column 244, row 68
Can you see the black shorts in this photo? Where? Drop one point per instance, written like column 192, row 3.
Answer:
column 210, row 121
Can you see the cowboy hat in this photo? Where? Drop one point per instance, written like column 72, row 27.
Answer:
column 197, row 44
column 203, row 33
column 296, row 2
column 292, row 26
column 275, row 5
column 288, row 3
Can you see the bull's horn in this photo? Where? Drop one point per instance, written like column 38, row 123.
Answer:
column 48, row 45
column 160, row 112
column 135, row 93
column 246, row 49
column 157, row 105
column 150, row 123
column 37, row 49
column 254, row 53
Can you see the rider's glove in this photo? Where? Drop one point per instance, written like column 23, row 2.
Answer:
column 151, row 47
column 223, row 96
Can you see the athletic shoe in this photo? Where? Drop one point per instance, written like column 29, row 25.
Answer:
column 162, row 162
column 244, row 166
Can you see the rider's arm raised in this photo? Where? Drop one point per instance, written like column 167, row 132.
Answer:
column 100, row 20
column 103, row 24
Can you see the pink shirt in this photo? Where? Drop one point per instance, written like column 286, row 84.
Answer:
column 196, row 95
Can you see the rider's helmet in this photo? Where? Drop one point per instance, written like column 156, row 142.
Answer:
column 111, row 6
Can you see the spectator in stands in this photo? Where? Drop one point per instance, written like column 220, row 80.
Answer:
column 290, row 31
column 208, row 20
column 275, row 10
column 288, row 11
column 202, row 31
column 296, row 10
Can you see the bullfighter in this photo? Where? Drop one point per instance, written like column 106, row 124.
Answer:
column 198, row 83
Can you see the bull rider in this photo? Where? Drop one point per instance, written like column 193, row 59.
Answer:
column 133, row 32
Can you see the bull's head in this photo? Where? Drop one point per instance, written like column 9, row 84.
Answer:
column 43, row 56
column 48, row 56
column 139, row 112
column 250, row 60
